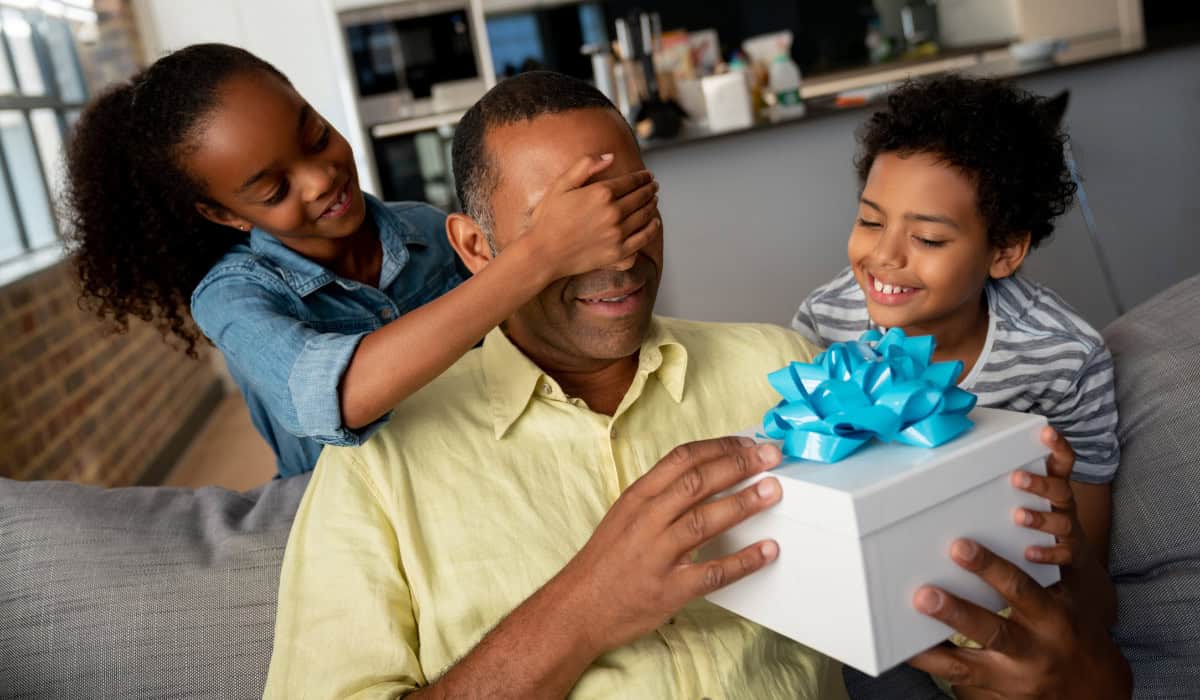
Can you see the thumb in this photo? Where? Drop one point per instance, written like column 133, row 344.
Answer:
column 580, row 172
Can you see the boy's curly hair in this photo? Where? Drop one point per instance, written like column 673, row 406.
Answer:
column 1007, row 141
column 138, row 243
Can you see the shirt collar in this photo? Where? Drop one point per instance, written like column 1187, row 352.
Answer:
column 513, row 380
column 305, row 276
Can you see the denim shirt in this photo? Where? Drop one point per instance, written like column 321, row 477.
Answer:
column 288, row 326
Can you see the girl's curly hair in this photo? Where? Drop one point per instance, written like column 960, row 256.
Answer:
column 1007, row 141
column 138, row 243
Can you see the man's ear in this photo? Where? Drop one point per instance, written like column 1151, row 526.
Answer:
column 222, row 217
column 469, row 241
column 1007, row 259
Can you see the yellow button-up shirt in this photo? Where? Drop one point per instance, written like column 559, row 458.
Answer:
column 483, row 485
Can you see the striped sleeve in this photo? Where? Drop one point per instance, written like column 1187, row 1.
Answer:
column 834, row 312
column 1087, row 417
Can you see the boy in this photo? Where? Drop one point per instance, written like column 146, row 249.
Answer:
column 961, row 178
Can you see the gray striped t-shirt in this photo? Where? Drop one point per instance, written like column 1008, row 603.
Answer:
column 1039, row 357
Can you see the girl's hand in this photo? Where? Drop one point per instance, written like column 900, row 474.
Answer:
column 1063, row 521
column 577, row 228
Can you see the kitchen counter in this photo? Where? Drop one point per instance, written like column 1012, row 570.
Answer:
column 819, row 92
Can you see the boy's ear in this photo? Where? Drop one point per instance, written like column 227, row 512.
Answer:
column 1007, row 258
column 469, row 241
column 222, row 217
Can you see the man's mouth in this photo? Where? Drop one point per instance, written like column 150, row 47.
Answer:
column 614, row 302
column 340, row 205
column 889, row 293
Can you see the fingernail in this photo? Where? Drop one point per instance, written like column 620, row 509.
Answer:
column 767, row 488
column 1024, row 480
column 1034, row 554
column 929, row 600
column 606, row 156
column 744, row 441
column 769, row 550
column 768, row 454
column 1023, row 517
column 965, row 550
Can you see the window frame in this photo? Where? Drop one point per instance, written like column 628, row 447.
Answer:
column 51, row 100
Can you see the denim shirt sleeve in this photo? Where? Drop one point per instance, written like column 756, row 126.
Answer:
column 294, row 368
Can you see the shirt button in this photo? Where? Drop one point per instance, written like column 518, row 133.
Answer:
column 547, row 389
column 613, row 433
column 385, row 314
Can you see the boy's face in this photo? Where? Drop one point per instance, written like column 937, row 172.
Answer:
column 919, row 248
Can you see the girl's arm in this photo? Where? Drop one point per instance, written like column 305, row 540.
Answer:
column 575, row 229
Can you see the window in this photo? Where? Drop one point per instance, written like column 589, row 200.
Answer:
column 42, row 90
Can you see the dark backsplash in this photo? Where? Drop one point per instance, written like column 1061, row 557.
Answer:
column 829, row 34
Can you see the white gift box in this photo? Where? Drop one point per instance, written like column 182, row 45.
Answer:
column 858, row 537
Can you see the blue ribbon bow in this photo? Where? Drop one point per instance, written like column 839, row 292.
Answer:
column 880, row 386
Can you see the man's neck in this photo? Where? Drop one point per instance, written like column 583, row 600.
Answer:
column 602, row 388
column 601, row 384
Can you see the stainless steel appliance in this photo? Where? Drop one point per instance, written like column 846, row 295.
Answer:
column 415, row 59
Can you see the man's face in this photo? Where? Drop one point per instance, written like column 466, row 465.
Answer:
column 597, row 316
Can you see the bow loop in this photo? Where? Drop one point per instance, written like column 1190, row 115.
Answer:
column 882, row 386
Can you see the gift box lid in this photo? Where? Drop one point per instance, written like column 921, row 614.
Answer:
column 883, row 483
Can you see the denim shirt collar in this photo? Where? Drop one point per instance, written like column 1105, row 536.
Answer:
column 305, row 276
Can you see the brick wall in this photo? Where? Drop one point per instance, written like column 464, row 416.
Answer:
column 82, row 404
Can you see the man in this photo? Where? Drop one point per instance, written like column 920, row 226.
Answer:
column 470, row 512
column 509, row 533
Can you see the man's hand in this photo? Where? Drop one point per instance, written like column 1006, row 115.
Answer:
column 1049, row 648
column 579, row 227
column 631, row 576
column 637, row 569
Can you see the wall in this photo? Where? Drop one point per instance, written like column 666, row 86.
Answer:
column 754, row 222
column 85, row 405
column 300, row 37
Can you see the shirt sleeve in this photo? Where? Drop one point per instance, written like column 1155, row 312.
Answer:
column 294, row 368
column 1087, row 418
column 345, row 626
column 805, row 321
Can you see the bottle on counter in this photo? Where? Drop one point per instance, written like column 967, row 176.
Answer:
column 784, row 83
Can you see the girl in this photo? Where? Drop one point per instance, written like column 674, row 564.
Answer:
column 209, row 178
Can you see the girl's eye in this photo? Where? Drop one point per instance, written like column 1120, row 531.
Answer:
column 279, row 194
column 323, row 140
column 929, row 242
column 867, row 224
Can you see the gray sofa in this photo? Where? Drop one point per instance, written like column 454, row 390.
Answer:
column 156, row 592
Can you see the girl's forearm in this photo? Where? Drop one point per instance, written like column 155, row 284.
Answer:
column 395, row 361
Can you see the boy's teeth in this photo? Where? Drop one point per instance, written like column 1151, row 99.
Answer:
column 891, row 288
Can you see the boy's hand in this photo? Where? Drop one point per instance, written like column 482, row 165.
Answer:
column 1063, row 522
column 577, row 228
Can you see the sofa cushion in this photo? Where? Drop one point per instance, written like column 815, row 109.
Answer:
column 139, row 592
column 1155, row 552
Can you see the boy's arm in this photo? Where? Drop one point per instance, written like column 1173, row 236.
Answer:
column 1087, row 418
column 574, row 231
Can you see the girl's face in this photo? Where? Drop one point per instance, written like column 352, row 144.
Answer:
column 919, row 248
column 269, row 160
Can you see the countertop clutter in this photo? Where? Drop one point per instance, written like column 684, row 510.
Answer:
column 855, row 89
